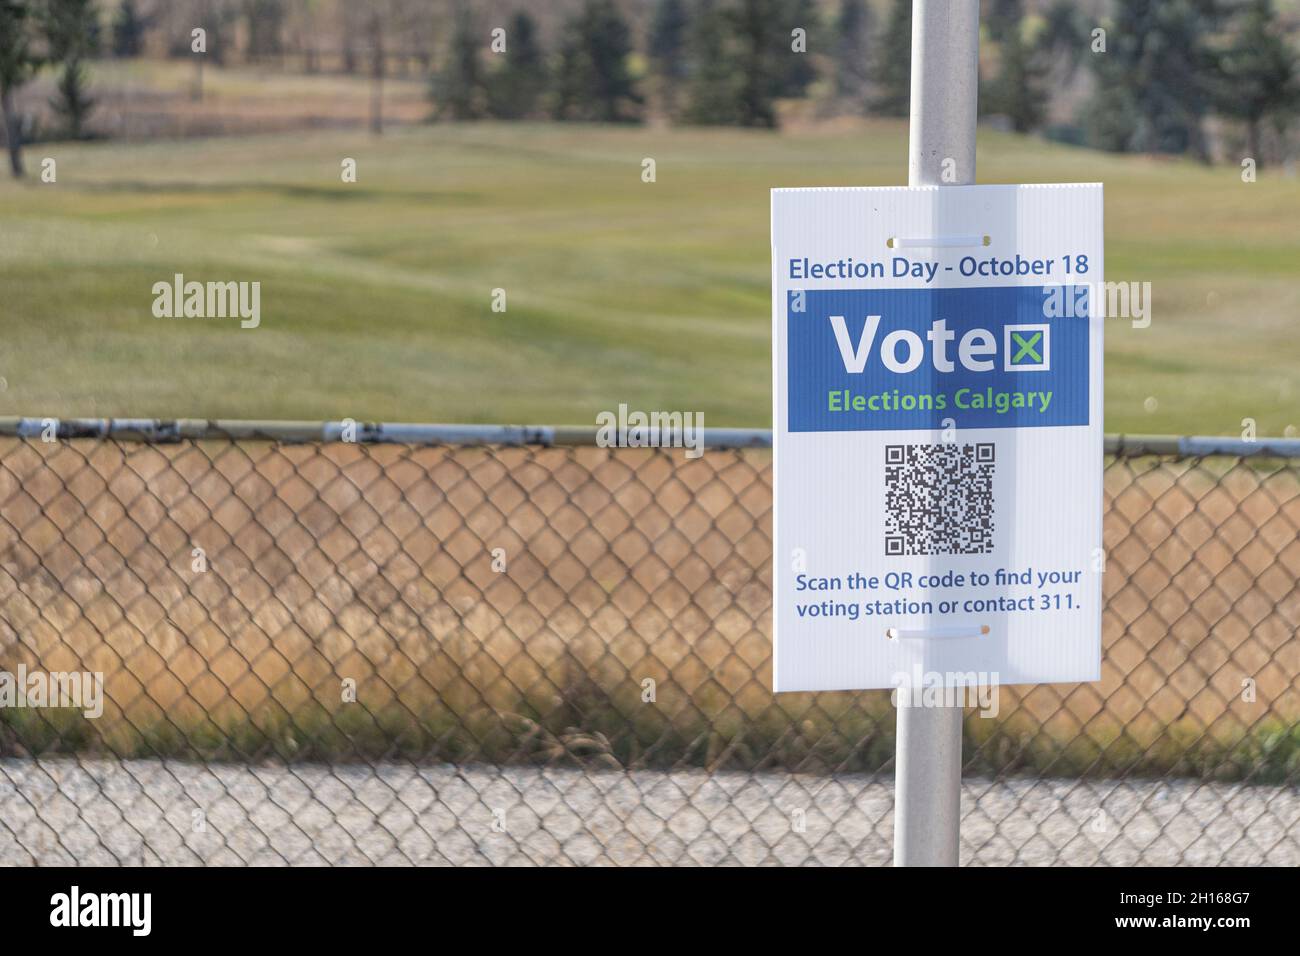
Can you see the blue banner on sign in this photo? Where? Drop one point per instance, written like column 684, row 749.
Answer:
column 881, row 359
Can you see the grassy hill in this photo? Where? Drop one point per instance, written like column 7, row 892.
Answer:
column 376, row 296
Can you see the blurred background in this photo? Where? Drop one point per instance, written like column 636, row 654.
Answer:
column 481, row 168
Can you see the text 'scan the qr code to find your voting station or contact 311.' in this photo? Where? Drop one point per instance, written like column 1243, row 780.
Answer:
column 937, row 424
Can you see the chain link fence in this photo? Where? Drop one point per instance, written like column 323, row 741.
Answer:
column 530, row 651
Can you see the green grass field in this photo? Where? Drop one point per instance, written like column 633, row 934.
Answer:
column 376, row 297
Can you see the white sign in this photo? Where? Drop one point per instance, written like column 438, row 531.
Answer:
column 937, row 420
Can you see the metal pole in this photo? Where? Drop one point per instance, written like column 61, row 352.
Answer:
column 945, row 88
column 945, row 84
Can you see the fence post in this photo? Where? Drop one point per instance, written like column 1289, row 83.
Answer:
column 941, row 152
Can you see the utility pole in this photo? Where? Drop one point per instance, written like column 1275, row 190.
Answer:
column 941, row 152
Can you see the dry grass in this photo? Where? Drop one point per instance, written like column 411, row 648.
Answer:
column 155, row 99
column 373, row 563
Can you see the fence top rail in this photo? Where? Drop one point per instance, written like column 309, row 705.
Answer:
column 159, row 430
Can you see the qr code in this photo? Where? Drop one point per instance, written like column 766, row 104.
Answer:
column 939, row 499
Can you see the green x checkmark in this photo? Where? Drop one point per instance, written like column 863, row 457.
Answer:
column 1026, row 347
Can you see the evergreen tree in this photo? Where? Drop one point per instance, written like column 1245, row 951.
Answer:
column 128, row 31
column 668, row 49
column 515, row 90
column 73, row 102
column 668, row 38
column 1018, row 90
column 852, row 29
column 70, row 31
column 737, row 58
column 1111, row 121
column 1002, row 18
column 760, row 71
column 459, row 91
column 18, row 63
column 1155, row 81
column 569, row 76
column 713, row 94
column 608, row 44
column 595, row 83
column 1064, row 37
column 893, row 70
column 795, row 72
column 1259, row 79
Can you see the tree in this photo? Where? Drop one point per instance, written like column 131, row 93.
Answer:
column 1018, row 90
column 760, row 74
column 1259, row 79
column 795, row 71
column 303, row 31
column 568, row 80
column 17, row 64
column 893, row 69
column 1002, row 18
column 852, row 29
column 735, row 70
column 1155, row 81
column 128, row 31
column 713, row 96
column 595, row 82
column 375, row 29
column 459, row 90
column 215, row 17
column 265, row 19
column 668, row 48
column 70, row 33
column 1063, row 37
column 349, row 26
column 515, row 90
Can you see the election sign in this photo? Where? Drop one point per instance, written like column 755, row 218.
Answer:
column 937, row 426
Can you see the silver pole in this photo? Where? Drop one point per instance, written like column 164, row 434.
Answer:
column 945, row 88
column 945, row 84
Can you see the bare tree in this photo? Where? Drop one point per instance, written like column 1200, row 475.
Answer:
column 376, row 31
